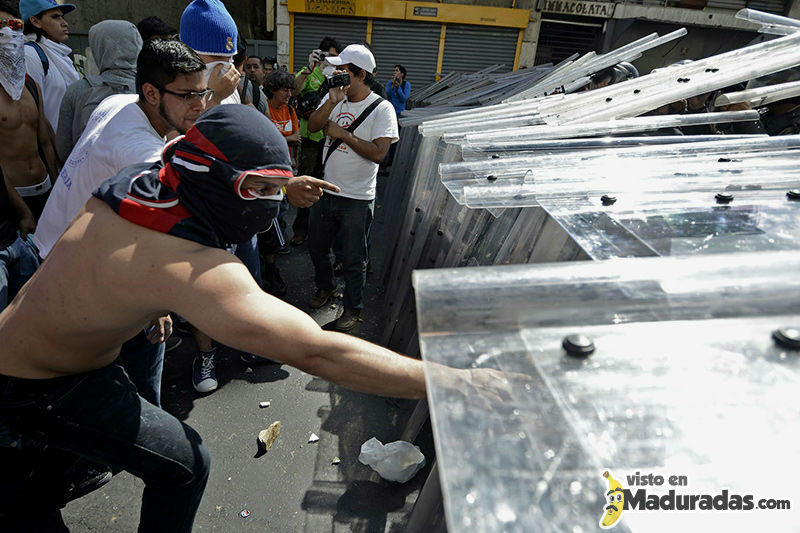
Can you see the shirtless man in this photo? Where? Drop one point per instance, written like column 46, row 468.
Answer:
column 27, row 152
column 151, row 240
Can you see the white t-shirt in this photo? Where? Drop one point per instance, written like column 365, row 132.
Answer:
column 356, row 175
column 118, row 135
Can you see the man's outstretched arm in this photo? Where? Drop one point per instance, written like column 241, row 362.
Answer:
column 222, row 299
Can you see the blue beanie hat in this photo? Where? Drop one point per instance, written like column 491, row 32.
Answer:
column 208, row 28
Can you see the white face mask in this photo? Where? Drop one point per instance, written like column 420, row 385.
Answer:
column 328, row 70
column 12, row 62
column 210, row 66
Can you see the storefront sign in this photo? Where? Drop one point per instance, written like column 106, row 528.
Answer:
column 577, row 7
column 426, row 11
column 331, row 7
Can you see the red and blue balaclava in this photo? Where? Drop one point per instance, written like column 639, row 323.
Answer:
column 195, row 192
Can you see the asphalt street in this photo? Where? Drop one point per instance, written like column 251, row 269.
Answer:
column 294, row 487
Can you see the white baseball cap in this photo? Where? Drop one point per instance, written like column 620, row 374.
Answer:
column 354, row 54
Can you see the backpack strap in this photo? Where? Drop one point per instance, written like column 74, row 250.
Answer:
column 33, row 89
column 256, row 95
column 352, row 127
column 42, row 55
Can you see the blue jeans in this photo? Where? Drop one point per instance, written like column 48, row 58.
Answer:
column 99, row 416
column 248, row 254
column 348, row 220
column 18, row 262
column 144, row 362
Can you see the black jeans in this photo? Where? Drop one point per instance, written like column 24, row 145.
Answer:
column 348, row 221
column 99, row 416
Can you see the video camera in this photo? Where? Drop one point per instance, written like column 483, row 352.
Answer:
column 308, row 102
column 337, row 80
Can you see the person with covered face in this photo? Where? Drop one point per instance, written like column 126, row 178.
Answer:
column 153, row 238
column 209, row 30
column 27, row 153
column 18, row 152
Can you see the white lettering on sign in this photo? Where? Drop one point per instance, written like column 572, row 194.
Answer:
column 577, row 7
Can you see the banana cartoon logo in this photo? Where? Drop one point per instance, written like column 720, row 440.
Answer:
column 616, row 500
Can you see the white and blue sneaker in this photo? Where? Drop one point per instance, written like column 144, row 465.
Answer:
column 204, row 374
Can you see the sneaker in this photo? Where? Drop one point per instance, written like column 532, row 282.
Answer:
column 204, row 374
column 273, row 282
column 251, row 359
column 172, row 343
column 348, row 320
column 87, row 477
column 321, row 297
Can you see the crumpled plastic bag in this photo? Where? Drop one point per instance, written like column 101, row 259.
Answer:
column 396, row 461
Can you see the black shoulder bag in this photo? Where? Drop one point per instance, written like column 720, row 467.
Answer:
column 352, row 127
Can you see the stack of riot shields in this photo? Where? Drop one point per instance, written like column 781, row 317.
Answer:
column 565, row 176
column 678, row 369
column 655, row 354
column 486, row 87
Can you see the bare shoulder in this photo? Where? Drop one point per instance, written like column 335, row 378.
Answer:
column 162, row 267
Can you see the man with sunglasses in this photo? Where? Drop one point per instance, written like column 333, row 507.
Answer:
column 126, row 130
column 130, row 129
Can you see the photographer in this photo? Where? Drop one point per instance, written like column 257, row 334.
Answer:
column 307, row 85
column 398, row 89
column 360, row 126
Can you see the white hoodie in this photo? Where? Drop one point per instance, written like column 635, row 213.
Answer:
column 60, row 74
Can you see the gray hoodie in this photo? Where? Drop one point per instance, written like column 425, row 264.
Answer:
column 115, row 45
